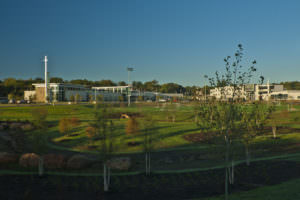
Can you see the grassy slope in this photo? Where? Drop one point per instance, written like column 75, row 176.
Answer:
column 287, row 191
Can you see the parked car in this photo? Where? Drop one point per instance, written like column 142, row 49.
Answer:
column 3, row 101
column 21, row 101
column 162, row 100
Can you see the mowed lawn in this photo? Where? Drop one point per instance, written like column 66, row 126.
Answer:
column 167, row 134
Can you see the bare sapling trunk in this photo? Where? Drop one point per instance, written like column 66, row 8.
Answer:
column 247, row 155
column 41, row 166
column 226, row 167
column 147, row 159
column 146, row 163
column 231, row 173
column 274, row 129
column 106, row 177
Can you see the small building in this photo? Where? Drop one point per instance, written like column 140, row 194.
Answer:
column 292, row 95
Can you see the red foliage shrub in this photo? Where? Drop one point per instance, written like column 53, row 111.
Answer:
column 6, row 158
column 90, row 132
column 75, row 121
column 29, row 160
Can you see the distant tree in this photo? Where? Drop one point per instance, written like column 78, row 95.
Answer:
column 11, row 96
column 121, row 98
column 11, row 85
column 122, row 83
column 99, row 98
column 72, row 98
column 105, row 83
column 140, row 98
column 152, row 86
column 138, row 85
column 77, row 98
column 56, row 80
column 171, row 88
column 90, row 98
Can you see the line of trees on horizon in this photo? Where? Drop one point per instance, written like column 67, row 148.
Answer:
column 16, row 87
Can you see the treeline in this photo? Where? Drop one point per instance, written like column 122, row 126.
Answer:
column 291, row 85
column 16, row 87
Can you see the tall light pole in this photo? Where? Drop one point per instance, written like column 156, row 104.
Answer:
column 129, row 69
column 46, row 79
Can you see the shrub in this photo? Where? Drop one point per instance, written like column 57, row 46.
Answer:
column 132, row 126
column 29, row 160
column 6, row 158
column 64, row 125
column 90, row 132
column 75, row 121
column 39, row 116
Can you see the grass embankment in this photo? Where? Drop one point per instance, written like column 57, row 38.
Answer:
column 288, row 191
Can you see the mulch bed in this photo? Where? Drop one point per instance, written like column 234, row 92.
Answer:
column 156, row 186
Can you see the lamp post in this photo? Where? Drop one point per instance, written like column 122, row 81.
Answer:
column 129, row 69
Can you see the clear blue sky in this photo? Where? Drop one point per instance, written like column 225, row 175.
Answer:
column 166, row 40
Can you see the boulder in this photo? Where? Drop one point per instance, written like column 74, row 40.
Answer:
column 78, row 162
column 54, row 161
column 29, row 160
column 7, row 158
column 122, row 163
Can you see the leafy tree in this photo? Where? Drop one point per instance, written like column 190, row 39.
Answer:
column 39, row 140
column 104, row 129
column 140, row 98
column 99, row 98
column 276, row 118
column 172, row 88
column 77, row 98
column 132, row 126
column 253, row 119
column 64, row 126
column 56, row 80
column 138, row 85
column 122, row 83
column 152, row 86
column 72, row 98
column 226, row 115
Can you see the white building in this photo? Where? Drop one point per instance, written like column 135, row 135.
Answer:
column 228, row 92
column 286, row 95
column 247, row 92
